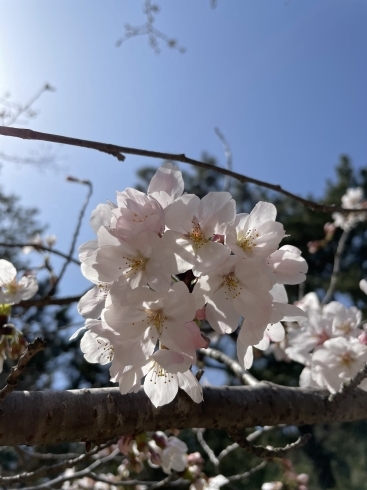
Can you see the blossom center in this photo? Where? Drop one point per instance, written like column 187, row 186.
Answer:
column 197, row 236
column 232, row 286
column 135, row 265
column 346, row 327
column 106, row 348
column 247, row 242
column 156, row 318
column 346, row 359
column 12, row 287
column 158, row 372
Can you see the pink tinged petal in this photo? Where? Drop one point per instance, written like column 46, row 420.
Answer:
column 179, row 215
column 101, row 216
column 178, row 338
column 250, row 334
column 254, row 306
column 200, row 314
column 161, row 387
column 135, row 351
column 200, row 341
column 96, row 349
column 168, row 178
column 7, row 272
column 245, row 355
column 363, row 285
column 262, row 212
column 180, row 304
column 171, row 361
column 264, row 342
column 306, row 380
column 289, row 267
column 215, row 209
column 210, row 256
column 105, row 238
column 287, row 313
column 279, row 293
column 276, row 332
column 87, row 249
column 188, row 382
column 76, row 334
column 221, row 314
column 92, row 303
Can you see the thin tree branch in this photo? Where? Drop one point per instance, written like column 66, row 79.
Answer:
column 76, row 232
column 228, row 155
column 336, row 267
column 46, row 470
column 49, row 301
column 76, row 475
column 211, row 455
column 118, row 152
column 39, row 247
column 16, row 110
column 103, row 413
column 251, row 437
column 12, row 380
column 248, row 473
column 246, row 377
column 268, row 452
column 147, row 29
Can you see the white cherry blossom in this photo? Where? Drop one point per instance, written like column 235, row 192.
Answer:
column 257, row 234
column 11, row 290
column 338, row 360
column 194, row 223
column 167, row 184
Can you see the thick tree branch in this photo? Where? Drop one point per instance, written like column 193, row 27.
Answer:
column 101, row 414
column 118, row 152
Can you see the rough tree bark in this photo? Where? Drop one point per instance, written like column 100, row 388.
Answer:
column 100, row 414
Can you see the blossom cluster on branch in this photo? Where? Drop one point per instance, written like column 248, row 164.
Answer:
column 164, row 261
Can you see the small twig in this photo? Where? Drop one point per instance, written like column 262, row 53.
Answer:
column 118, row 152
column 246, row 377
column 228, row 155
column 34, row 454
column 336, row 267
column 76, row 232
column 248, row 473
column 268, row 452
column 49, row 301
column 46, row 470
column 148, row 29
column 12, row 380
column 21, row 109
column 39, row 247
column 348, row 386
column 77, row 474
column 251, row 437
column 200, row 437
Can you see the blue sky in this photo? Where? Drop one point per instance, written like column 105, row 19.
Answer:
column 285, row 81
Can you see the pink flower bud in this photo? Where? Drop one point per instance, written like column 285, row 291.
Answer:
column 200, row 314
column 363, row 338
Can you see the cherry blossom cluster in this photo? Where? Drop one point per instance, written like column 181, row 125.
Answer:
column 163, row 261
column 157, row 450
column 330, row 344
